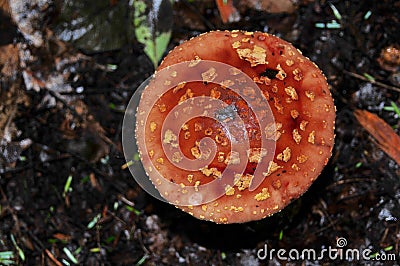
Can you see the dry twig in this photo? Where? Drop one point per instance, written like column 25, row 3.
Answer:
column 372, row 81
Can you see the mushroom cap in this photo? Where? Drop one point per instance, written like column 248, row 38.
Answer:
column 298, row 142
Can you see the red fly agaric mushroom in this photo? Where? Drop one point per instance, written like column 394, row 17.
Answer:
column 199, row 162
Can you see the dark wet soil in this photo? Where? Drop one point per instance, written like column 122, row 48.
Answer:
column 105, row 218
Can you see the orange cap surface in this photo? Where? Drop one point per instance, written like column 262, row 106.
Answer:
column 302, row 130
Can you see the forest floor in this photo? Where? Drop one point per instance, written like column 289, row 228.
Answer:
column 65, row 197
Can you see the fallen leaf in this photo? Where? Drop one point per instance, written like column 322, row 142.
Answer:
column 9, row 60
column 5, row 6
column 227, row 11
column 30, row 18
column 93, row 26
column 383, row 133
column 153, row 25
column 11, row 95
column 272, row 6
column 62, row 237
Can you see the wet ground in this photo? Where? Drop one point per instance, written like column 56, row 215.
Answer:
column 65, row 198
